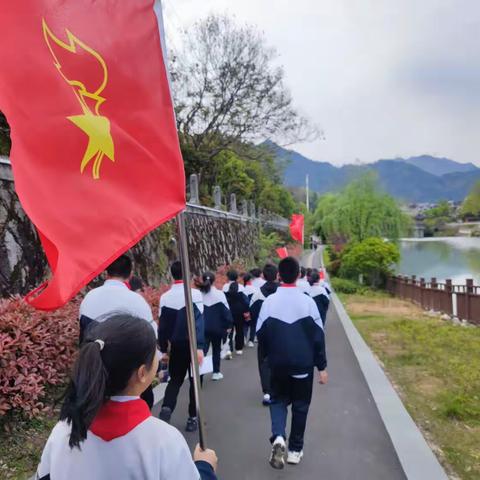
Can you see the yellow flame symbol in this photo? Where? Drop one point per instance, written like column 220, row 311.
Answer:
column 94, row 125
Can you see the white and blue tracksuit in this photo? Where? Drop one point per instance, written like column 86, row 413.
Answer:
column 303, row 285
column 218, row 319
column 124, row 441
column 239, row 305
column 322, row 298
column 173, row 331
column 290, row 331
column 112, row 297
column 255, row 306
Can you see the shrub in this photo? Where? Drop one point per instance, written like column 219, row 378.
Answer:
column 342, row 285
column 373, row 258
column 36, row 351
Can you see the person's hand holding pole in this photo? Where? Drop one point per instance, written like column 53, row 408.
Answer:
column 207, row 455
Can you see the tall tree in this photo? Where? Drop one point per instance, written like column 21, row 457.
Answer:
column 471, row 205
column 361, row 211
column 227, row 89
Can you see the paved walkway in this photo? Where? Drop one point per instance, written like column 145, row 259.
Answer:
column 345, row 439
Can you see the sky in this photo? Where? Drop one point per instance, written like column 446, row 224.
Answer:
column 381, row 78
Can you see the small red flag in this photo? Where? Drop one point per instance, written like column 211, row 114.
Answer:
column 282, row 252
column 297, row 226
column 95, row 153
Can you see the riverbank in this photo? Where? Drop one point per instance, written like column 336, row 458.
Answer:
column 435, row 367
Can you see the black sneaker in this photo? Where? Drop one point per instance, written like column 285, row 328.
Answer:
column 165, row 414
column 192, row 424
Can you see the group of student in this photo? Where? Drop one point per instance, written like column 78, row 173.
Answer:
column 106, row 429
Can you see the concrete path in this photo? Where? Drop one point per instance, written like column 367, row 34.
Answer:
column 345, row 440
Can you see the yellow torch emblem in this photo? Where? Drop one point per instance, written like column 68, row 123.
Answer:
column 94, row 125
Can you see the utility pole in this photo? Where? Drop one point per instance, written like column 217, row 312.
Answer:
column 307, row 193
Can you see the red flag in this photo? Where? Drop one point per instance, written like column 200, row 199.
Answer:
column 297, row 227
column 95, row 153
column 282, row 252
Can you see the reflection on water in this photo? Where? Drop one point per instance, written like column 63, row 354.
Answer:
column 457, row 258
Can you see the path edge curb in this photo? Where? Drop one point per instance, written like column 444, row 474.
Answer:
column 416, row 457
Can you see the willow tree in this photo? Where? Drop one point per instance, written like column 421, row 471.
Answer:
column 362, row 210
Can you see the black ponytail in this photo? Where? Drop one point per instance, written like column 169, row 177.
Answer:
column 232, row 276
column 208, row 279
column 112, row 351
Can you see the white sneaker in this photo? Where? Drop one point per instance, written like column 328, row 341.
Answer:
column 228, row 355
column 277, row 457
column 250, row 344
column 217, row 376
column 239, row 352
column 294, row 458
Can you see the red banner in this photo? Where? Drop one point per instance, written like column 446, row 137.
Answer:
column 297, row 227
column 95, row 153
column 282, row 252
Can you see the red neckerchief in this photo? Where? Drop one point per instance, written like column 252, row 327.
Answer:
column 116, row 419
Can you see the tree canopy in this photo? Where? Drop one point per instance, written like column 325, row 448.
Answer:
column 373, row 258
column 362, row 210
column 471, row 205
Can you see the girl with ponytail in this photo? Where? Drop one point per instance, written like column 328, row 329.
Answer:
column 217, row 317
column 117, row 362
column 239, row 306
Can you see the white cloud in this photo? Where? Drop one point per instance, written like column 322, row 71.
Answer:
column 383, row 78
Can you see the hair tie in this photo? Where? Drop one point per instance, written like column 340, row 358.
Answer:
column 101, row 343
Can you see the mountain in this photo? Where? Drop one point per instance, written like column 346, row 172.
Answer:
column 439, row 166
column 400, row 178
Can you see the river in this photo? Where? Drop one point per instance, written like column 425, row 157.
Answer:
column 457, row 258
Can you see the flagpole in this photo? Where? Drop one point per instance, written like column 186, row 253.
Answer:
column 192, row 331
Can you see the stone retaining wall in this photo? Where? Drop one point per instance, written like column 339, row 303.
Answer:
column 215, row 238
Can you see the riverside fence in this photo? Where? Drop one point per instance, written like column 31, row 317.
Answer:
column 462, row 301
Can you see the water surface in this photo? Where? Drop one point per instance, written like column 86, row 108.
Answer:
column 457, row 258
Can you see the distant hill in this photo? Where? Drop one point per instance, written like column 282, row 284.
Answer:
column 439, row 166
column 403, row 179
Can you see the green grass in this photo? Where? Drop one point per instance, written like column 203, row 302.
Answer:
column 436, row 367
column 22, row 442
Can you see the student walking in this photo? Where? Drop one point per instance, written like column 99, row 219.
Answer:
column 291, row 333
column 174, row 344
column 238, row 302
column 250, row 290
column 270, row 274
column 115, row 296
column 320, row 295
column 105, row 430
column 257, row 280
column 303, row 283
column 217, row 318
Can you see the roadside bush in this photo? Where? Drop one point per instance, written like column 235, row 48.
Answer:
column 343, row 285
column 36, row 351
column 373, row 258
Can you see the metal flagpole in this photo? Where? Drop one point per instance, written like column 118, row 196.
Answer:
column 307, row 192
column 192, row 331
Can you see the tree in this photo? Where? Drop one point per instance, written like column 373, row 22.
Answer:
column 373, row 258
column 232, row 176
column 471, row 205
column 437, row 217
column 360, row 211
column 227, row 89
